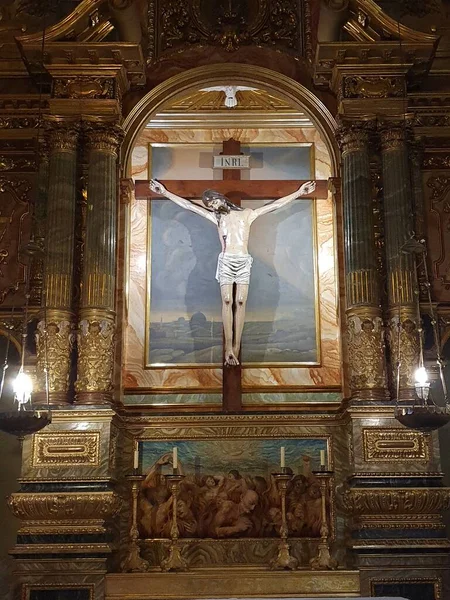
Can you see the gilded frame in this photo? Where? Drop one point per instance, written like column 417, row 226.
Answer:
column 318, row 362
column 238, row 427
column 27, row 588
column 437, row 583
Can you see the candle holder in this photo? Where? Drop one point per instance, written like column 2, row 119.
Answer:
column 174, row 562
column 133, row 562
column 323, row 560
column 284, row 560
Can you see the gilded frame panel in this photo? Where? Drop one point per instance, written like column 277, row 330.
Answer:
column 437, row 583
column 315, row 250
column 27, row 588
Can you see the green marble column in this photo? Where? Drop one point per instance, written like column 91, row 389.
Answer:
column 37, row 241
column 97, row 310
column 54, row 337
column 365, row 340
column 402, row 285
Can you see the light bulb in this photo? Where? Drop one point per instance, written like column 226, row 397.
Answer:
column 23, row 388
column 421, row 376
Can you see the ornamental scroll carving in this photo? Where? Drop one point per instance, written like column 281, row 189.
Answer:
column 437, row 204
column 14, row 232
column 365, row 339
column 54, row 344
column 397, row 501
column 229, row 24
column 373, row 87
column 404, row 344
column 95, row 355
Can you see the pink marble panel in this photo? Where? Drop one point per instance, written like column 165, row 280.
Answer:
column 328, row 373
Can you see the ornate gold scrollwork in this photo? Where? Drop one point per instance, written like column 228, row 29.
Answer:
column 54, row 343
column 365, row 336
column 373, row 87
column 381, row 501
column 95, row 354
column 403, row 338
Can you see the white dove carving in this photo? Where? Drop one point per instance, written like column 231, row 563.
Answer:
column 230, row 92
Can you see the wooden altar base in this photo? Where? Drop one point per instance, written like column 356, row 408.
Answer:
column 233, row 583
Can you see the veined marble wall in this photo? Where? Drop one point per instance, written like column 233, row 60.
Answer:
column 326, row 376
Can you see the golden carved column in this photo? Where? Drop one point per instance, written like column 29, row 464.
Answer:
column 402, row 287
column 54, row 337
column 94, row 383
column 365, row 337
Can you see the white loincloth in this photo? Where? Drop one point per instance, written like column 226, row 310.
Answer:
column 233, row 268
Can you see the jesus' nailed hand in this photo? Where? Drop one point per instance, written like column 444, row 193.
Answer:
column 234, row 263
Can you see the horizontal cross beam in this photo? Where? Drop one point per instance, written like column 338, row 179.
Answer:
column 252, row 190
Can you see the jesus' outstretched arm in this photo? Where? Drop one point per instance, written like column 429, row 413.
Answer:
column 159, row 188
column 304, row 190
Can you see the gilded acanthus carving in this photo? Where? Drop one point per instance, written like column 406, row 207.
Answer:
column 379, row 501
column 440, row 161
column 103, row 138
column 392, row 136
column 14, row 231
column 366, row 352
column 63, row 505
column 54, row 344
column 404, row 344
column 229, row 23
column 84, row 87
column 439, row 236
column 62, row 136
column 16, row 163
column 95, row 355
column 373, row 87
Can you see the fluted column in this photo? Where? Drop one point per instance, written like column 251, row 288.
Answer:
column 402, row 287
column 365, row 338
column 97, row 317
column 54, row 337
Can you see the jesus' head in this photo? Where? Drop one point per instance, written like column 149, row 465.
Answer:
column 218, row 202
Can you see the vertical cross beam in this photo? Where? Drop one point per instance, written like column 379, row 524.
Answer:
column 231, row 377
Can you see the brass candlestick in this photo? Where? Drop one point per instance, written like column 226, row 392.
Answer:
column 174, row 562
column 284, row 560
column 133, row 562
column 323, row 560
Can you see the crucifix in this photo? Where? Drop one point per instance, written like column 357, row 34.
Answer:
column 222, row 206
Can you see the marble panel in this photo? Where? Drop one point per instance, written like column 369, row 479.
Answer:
column 323, row 376
column 173, row 399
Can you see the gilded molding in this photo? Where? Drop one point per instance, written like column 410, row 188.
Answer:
column 54, row 343
column 95, row 354
column 435, row 582
column 381, row 445
column 365, row 339
column 361, row 287
column 61, row 506
column 103, row 138
column 66, row 448
column 399, row 501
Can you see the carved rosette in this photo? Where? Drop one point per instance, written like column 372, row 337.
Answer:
column 54, row 344
column 365, row 339
column 403, row 335
column 95, row 358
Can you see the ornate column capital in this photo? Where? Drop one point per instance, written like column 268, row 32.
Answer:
column 62, row 136
column 353, row 136
column 104, row 137
column 393, row 134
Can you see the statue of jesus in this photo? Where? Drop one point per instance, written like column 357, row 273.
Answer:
column 234, row 263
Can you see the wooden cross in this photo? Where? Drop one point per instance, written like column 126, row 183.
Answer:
column 236, row 190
